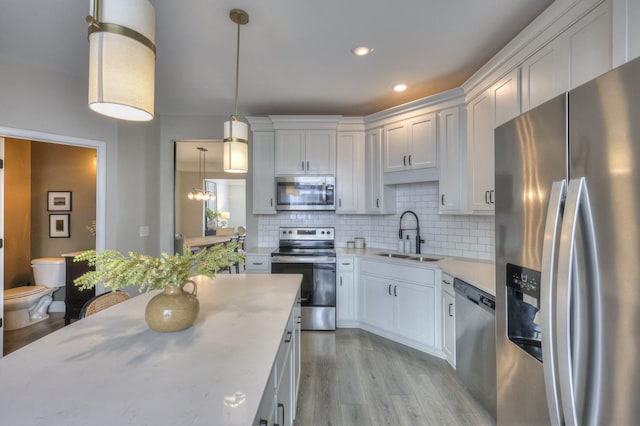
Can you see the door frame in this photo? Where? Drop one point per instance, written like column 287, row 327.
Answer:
column 101, row 189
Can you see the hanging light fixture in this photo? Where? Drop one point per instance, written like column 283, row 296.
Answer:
column 122, row 57
column 200, row 194
column 236, row 133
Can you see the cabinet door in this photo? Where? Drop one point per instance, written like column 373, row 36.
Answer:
column 395, row 147
column 345, row 297
column 545, row 74
column 422, row 147
column 373, row 171
column 349, row 172
column 320, row 152
column 449, row 327
column 289, row 152
column 284, row 395
column 590, row 46
column 480, row 152
column 415, row 312
column 377, row 302
column 263, row 173
column 451, row 191
column 506, row 97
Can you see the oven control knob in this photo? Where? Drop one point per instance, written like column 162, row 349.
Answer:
column 328, row 232
column 290, row 232
column 322, row 232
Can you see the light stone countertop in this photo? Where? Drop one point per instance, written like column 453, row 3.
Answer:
column 111, row 369
column 260, row 250
column 478, row 273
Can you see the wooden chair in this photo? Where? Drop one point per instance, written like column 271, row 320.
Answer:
column 102, row 301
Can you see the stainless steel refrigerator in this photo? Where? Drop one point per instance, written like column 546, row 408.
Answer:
column 568, row 257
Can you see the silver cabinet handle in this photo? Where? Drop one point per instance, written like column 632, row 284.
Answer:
column 257, row 263
column 307, row 166
column 409, row 159
column 491, row 200
column 303, row 166
column 339, row 202
column 271, row 202
column 404, row 161
column 340, row 281
column 547, row 292
column 395, row 290
column 389, row 289
column 450, row 306
column 486, row 197
column 346, row 263
column 442, row 199
column 577, row 209
column 378, row 203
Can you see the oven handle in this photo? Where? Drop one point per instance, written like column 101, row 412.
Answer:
column 303, row 259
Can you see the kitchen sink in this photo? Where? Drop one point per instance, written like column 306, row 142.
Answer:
column 395, row 255
column 416, row 257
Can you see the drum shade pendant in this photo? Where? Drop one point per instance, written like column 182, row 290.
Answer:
column 122, row 58
column 200, row 194
column 236, row 132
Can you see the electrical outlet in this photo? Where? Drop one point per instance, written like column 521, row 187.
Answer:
column 144, row 231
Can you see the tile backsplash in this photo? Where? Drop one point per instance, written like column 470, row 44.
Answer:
column 464, row 236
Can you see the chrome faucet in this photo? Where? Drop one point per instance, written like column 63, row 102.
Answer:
column 419, row 241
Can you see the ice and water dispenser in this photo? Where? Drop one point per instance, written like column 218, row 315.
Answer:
column 523, row 305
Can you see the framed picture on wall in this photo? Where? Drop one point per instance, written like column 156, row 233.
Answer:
column 59, row 226
column 59, row 201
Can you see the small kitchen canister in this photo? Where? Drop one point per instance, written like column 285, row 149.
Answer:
column 359, row 242
column 351, row 244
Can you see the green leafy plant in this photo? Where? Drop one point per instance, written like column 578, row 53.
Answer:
column 210, row 214
column 116, row 271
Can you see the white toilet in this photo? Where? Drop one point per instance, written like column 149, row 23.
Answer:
column 28, row 305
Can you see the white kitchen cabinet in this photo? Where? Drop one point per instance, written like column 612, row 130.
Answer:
column 350, row 173
column 506, row 98
column 626, row 35
column 448, row 310
column 301, row 152
column 257, row 263
column 379, row 199
column 451, row 140
column 263, row 173
column 346, row 292
column 545, row 74
column 480, row 151
column 399, row 302
column 411, row 144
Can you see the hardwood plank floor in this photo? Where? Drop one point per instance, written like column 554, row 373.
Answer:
column 354, row 378
column 15, row 339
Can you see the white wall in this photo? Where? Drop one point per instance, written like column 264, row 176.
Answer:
column 470, row 237
column 46, row 101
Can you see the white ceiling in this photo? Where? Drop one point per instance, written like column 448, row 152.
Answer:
column 295, row 54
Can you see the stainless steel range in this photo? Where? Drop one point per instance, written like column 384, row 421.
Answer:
column 310, row 252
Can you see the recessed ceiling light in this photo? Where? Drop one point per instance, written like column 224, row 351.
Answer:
column 361, row 50
column 400, row 87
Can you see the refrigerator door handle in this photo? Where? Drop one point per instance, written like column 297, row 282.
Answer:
column 547, row 299
column 577, row 210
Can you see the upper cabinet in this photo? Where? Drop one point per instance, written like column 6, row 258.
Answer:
column 379, row 199
column 451, row 144
column 350, row 173
column 263, row 173
column 305, row 152
column 579, row 54
column 411, row 144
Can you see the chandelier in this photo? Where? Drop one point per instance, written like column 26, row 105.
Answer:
column 200, row 194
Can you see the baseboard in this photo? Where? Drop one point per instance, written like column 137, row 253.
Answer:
column 57, row 306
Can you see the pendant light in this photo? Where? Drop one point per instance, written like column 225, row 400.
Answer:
column 200, row 194
column 122, row 57
column 236, row 133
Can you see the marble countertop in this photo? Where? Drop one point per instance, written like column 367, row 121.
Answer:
column 110, row 368
column 478, row 273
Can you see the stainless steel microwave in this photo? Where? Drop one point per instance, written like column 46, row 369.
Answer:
column 305, row 193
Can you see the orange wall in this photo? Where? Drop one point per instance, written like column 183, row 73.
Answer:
column 17, row 213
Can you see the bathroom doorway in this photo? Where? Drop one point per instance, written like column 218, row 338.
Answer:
column 47, row 241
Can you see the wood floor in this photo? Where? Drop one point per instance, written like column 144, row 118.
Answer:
column 352, row 377
column 15, row 339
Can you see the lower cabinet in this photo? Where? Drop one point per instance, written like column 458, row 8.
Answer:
column 257, row 263
column 448, row 309
column 400, row 302
column 346, row 292
column 279, row 401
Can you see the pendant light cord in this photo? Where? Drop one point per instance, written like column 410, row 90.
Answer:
column 237, row 72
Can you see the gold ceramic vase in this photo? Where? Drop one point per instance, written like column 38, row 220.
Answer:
column 174, row 309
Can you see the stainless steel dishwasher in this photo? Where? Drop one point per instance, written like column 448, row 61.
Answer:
column 476, row 343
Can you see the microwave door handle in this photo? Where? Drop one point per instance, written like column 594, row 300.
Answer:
column 324, row 193
column 547, row 299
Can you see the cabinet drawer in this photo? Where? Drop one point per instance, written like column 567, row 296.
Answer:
column 447, row 284
column 397, row 271
column 345, row 264
column 257, row 263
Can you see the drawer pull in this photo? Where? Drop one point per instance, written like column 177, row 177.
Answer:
column 288, row 339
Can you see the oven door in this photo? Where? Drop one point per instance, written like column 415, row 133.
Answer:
column 318, row 292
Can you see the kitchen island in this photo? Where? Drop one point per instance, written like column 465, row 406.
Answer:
column 110, row 368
